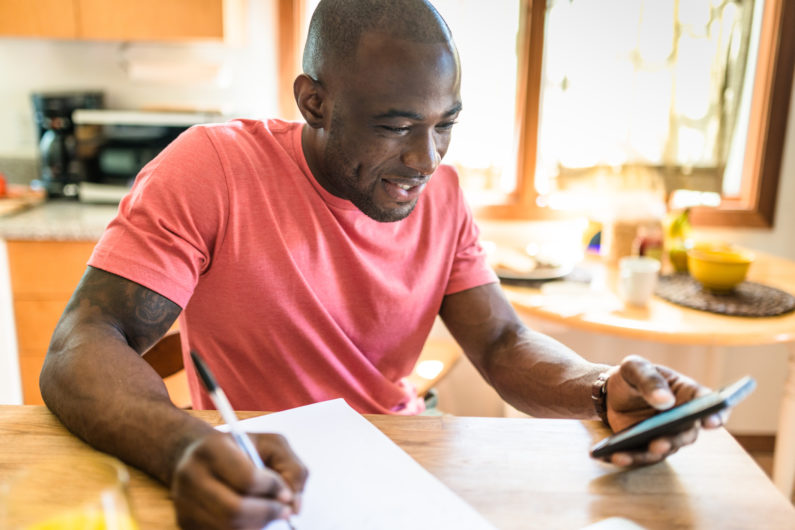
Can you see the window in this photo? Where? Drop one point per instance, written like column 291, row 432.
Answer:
column 482, row 147
column 666, row 102
column 638, row 92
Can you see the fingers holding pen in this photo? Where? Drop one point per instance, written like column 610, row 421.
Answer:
column 279, row 456
column 216, row 486
column 237, row 470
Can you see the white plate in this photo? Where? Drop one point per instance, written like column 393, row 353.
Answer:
column 539, row 273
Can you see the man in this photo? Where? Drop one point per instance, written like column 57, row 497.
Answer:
column 308, row 262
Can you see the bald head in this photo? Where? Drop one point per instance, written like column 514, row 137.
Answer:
column 337, row 27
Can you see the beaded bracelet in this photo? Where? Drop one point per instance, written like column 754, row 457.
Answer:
column 599, row 396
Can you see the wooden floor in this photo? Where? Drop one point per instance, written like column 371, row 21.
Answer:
column 761, row 449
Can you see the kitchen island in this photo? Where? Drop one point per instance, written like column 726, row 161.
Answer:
column 43, row 253
column 58, row 220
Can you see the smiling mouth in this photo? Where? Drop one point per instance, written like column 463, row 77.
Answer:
column 403, row 191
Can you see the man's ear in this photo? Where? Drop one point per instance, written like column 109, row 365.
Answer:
column 310, row 97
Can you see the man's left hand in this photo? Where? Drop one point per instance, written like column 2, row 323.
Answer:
column 638, row 389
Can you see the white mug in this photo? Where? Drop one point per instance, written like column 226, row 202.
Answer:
column 637, row 279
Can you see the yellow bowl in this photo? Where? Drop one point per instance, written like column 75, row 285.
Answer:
column 718, row 267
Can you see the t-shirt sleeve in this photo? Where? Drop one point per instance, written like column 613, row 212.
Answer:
column 470, row 267
column 170, row 222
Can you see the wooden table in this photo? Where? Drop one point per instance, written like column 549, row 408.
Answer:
column 519, row 473
column 670, row 323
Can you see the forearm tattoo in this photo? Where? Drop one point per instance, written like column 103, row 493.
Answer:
column 150, row 307
column 141, row 314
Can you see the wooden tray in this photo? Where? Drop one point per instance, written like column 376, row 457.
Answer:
column 20, row 198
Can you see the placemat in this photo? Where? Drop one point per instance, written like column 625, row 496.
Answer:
column 749, row 299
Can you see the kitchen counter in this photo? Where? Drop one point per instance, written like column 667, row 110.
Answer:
column 58, row 220
column 49, row 243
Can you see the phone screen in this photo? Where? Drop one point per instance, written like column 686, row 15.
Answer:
column 673, row 420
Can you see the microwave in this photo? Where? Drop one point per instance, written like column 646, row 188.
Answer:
column 112, row 146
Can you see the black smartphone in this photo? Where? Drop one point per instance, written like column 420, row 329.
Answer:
column 673, row 420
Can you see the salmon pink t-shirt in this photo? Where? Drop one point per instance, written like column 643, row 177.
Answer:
column 290, row 293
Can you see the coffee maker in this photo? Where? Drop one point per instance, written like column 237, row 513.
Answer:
column 60, row 167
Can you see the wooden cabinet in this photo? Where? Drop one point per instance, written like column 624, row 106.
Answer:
column 151, row 19
column 38, row 18
column 43, row 277
column 129, row 20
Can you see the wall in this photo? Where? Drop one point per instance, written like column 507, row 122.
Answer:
column 131, row 74
column 781, row 239
column 768, row 363
column 10, row 384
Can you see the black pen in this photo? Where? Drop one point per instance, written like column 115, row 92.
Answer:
column 227, row 413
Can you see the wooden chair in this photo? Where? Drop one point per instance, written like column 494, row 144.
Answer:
column 166, row 358
column 437, row 358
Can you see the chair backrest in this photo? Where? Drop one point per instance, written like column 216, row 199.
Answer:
column 437, row 358
column 166, row 358
column 166, row 355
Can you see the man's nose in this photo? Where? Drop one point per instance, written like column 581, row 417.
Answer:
column 422, row 154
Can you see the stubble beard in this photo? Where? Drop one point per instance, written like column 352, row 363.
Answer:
column 337, row 164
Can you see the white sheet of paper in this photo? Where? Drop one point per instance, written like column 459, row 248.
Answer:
column 358, row 477
column 614, row 523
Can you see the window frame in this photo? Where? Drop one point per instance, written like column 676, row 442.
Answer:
column 289, row 44
column 522, row 202
column 755, row 207
column 764, row 150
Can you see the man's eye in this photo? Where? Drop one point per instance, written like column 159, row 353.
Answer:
column 446, row 126
column 397, row 130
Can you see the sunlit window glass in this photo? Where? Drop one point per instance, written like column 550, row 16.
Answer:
column 483, row 143
column 638, row 92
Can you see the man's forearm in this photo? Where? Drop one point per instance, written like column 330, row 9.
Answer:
column 531, row 371
column 542, row 377
column 105, row 393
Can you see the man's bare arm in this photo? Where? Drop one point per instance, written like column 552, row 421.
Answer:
column 542, row 377
column 96, row 382
column 531, row 371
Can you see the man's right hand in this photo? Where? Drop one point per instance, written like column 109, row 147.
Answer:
column 215, row 485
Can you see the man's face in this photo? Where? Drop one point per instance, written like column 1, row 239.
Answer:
column 390, row 124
